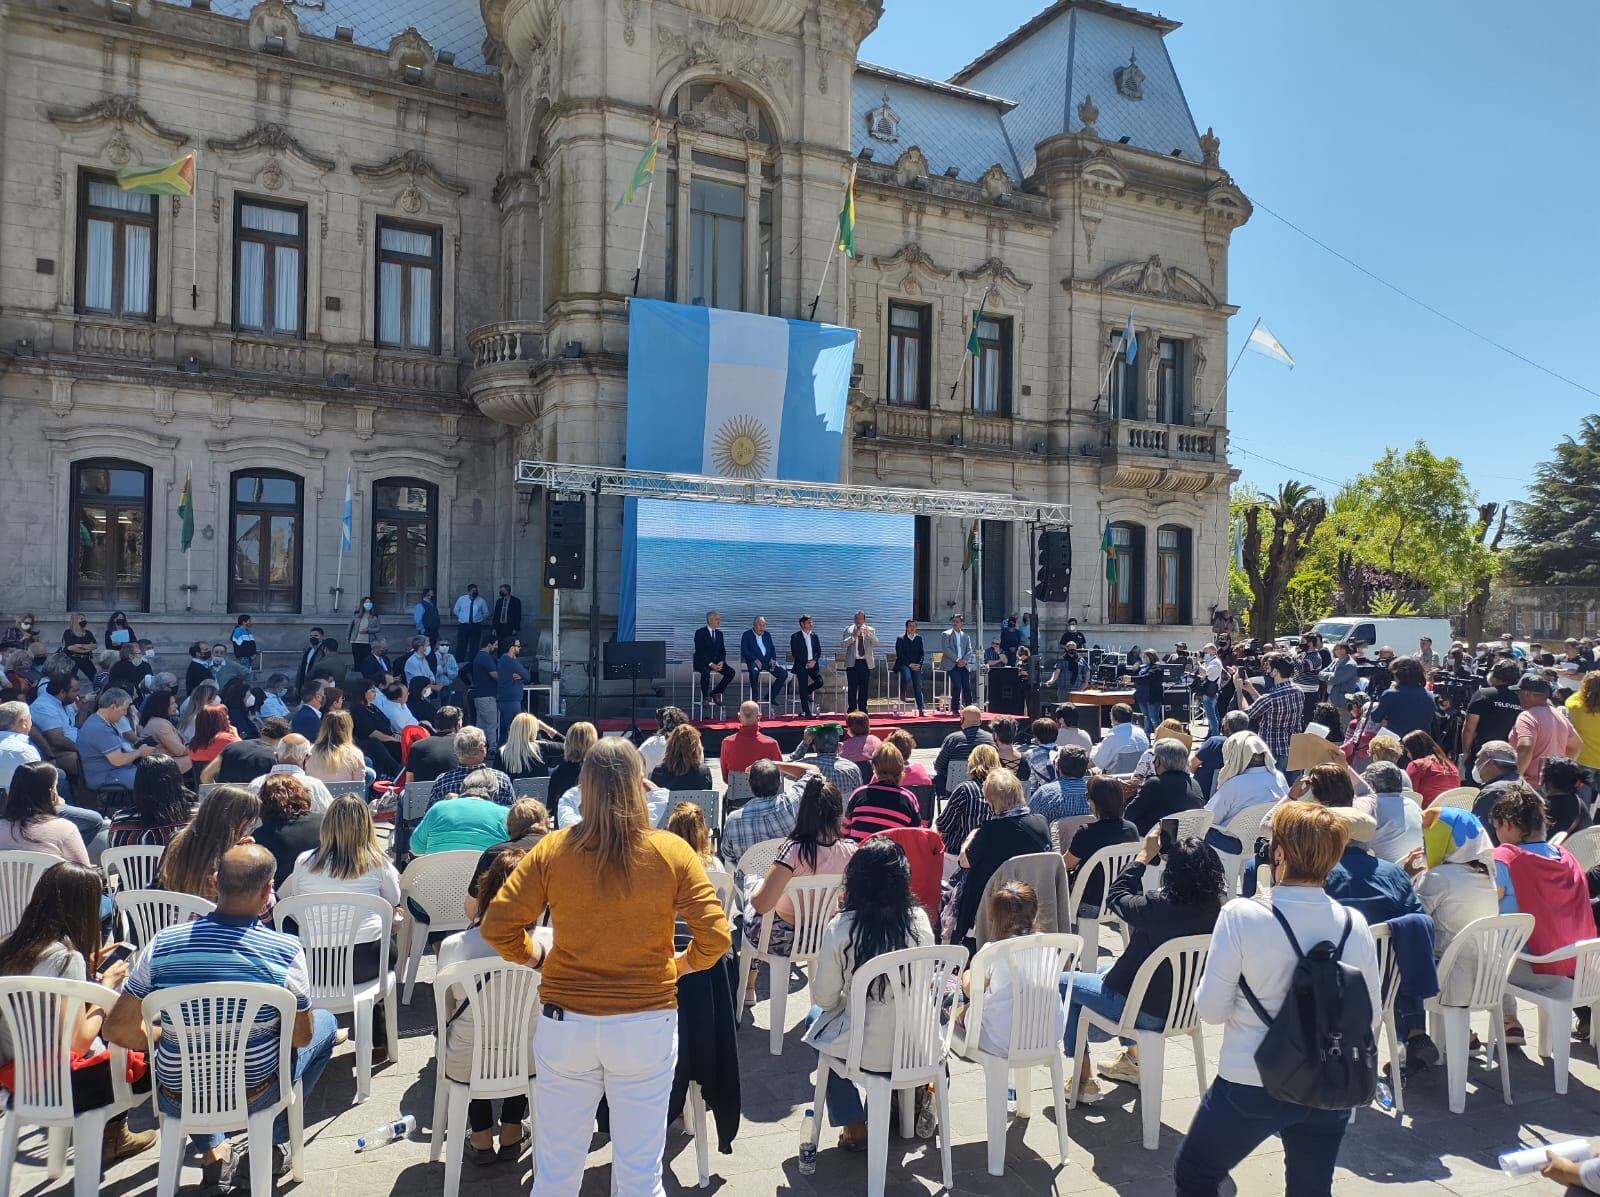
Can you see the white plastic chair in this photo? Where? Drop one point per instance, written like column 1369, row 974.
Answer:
column 531, row 787
column 722, row 882
column 1186, row 958
column 1125, row 763
column 816, row 900
column 1109, row 862
column 414, row 800
column 1062, row 831
column 757, row 860
column 1484, row 949
column 1037, row 964
column 326, row 926
column 1246, row 828
column 1556, row 1005
column 1584, row 846
column 1389, row 988
column 738, row 789
column 19, row 873
column 147, row 911
column 437, row 883
column 134, row 867
column 338, row 789
column 209, row 1027
column 41, row 1013
column 917, row 980
column 1462, row 797
column 955, row 774
column 206, row 787
column 710, row 804
column 504, row 999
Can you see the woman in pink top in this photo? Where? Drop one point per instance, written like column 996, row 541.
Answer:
column 860, row 744
column 817, row 847
column 915, row 774
column 1430, row 770
column 29, row 822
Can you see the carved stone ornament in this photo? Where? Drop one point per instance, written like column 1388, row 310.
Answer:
column 119, row 112
column 1088, row 114
column 1210, row 147
column 722, row 111
column 272, row 175
column 118, row 151
column 417, row 171
column 630, row 13
column 409, row 48
column 914, row 257
column 1154, row 279
column 883, row 123
column 911, row 166
column 274, row 18
column 995, row 182
column 728, row 47
column 276, row 142
column 997, row 273
column 1130, row 79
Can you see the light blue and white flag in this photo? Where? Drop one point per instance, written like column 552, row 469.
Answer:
column 349, row 507
column 1263, row 342
column 735, row 395
column 1130, row 341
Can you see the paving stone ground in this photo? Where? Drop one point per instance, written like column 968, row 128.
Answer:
column 1428, row 1151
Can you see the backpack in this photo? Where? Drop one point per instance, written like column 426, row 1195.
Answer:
column 1319, row 1051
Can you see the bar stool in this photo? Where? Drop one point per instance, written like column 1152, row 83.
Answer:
column 744, row 690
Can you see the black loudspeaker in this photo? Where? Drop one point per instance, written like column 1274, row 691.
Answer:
column 563, row 543
column 1055, row 566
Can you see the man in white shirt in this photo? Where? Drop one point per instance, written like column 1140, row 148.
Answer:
column 291, row 755
column 1209, row 677
column 15, row 746
column 417, row 663
column 1125, row 736
column 392, row 702
column 472, row 612
column 273, row 704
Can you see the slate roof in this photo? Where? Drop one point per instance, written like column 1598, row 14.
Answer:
column 455, row 25
column 1072, row 49
column 953, row 126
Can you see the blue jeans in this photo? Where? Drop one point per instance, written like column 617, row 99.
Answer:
column 911, row 679
column 1089, row 989
column 1235, row 1119
column 780, row 679
column 307, row 1064
column 1208, row 704
column 1153, row 715
column 91, row 825
column 845, row 1107
column 960, row 687
column 508, row 711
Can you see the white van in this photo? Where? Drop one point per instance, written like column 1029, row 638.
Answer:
column 1399, row 632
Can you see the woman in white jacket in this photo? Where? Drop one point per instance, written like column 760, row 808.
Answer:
column 1237, row 1113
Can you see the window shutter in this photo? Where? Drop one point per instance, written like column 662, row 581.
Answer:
column 1136, row 590
column 1185, row 575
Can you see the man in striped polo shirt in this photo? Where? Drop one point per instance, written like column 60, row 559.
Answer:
column 230, row 945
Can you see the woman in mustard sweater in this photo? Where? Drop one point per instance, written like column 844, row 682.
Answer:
column 609, row 1026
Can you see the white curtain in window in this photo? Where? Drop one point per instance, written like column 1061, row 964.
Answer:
column 389, row 302
column 408, row 241
column 97, row 271
column 109, row 195
column 136, row 270
column 252, row 284
column 420, row 335
column 270, row 220
column 286, row 289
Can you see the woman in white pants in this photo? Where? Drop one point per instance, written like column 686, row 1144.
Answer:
column 609, row 1022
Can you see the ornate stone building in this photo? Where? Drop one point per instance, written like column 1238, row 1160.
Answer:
column 403, row 267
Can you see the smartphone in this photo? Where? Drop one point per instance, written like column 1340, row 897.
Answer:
column 117, row 951
column 1169, row 835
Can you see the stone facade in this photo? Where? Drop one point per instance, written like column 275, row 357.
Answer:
column 501, row 137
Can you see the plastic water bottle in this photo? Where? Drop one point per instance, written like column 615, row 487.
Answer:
column 1384, row 1097
column 386, row 1133
column 1011, row 1100
column 808, row 1145
column 1531, row 1159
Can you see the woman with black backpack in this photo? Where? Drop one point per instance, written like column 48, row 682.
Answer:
column 1275, row 1074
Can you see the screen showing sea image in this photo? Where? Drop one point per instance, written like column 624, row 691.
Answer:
column 772, row 561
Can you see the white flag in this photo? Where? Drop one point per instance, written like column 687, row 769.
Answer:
column 1264, row 342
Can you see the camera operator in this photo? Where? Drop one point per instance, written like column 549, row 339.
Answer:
column 1310, row 661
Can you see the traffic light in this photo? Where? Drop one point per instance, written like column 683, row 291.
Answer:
column 1055, row 566
column 563, row 543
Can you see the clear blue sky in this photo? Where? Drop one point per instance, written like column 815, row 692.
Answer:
column 1450, row 148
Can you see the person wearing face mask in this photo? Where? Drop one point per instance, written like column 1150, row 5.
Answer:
column 1494, row 769
column 21, row 634
column 471, row 612
column 118, row 632
column 273, row 705
column 446, row 669
column 131, row 671
column 364, row 629
column 244, row 643
column 308, row 659
column 1208, row 677
column 425, row 616
column 78, row 643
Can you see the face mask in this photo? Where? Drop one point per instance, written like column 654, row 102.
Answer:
column 1477, row 777
column 249, row 701
column 366, row 606
column 316, row 640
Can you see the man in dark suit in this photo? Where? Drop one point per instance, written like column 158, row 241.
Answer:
column 507, row 615
column 760, row 655
column 711, row 658
column 377, row 663
column 309, row 657
column 805, row 650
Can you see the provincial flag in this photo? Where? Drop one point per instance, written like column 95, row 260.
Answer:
column 1263, row 342
column 644, row 171
column 349, row 508
column 186, row 508
column 969, row 552
column 1130, row 341
column 1110, row 550
column 847, row 217
column 977, row 322
column 175, row 178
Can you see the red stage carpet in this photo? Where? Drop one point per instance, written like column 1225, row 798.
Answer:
column 928, row 729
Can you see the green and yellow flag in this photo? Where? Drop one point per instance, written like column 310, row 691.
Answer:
column 972, row 337
column 1109, row 548
column 175, row 178
column 186, row 507
column 847, row 217
column 644, row 172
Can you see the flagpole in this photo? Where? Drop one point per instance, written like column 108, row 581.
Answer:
column 817, row 298
column 638, row 268
column 965, row 353
column 194, row 237
column 1237, row 358
column 188, row 564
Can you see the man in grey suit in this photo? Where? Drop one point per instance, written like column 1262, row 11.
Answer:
column 859, row 648
column 957, row 661
column 1341, row 678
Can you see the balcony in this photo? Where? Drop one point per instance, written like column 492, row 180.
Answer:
column 503, row 358
column 1144, row 455
column 964, row 430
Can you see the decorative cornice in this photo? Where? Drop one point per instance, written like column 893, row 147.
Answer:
column 120, row 111
column 1151, row 278
column 275, row 140
column 913, row 255
column 412, row 165
column 996, row 272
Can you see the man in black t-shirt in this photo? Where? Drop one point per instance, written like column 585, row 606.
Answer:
column 249, row 759
column 435, row 755
column 1493, row 709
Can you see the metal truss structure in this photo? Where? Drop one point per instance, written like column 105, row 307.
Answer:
column 824, row 496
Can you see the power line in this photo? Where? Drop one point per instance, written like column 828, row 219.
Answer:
column 1423, row 304
column 1233, row 443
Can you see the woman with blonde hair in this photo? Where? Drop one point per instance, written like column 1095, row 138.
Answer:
column 609, row 1000
column 581, row 737
column 225, row 817
column 683, row 766
column 966, row 808
column 522, row 755
column 334, row 756
column 1009, row 831
column 202, row 696
column 688, row 822
column 1583, row 710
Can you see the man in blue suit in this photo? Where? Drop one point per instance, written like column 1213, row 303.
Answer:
column 711, row 659
column 760, row 655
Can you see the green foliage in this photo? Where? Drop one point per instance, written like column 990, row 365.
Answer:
column 1307, row 599
column 1557, row 529
column 1392, row 602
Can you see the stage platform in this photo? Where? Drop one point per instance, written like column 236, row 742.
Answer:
column 929, row 730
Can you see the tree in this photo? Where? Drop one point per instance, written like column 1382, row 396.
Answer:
column 1490, row 535
column 1557, row 528
column 1292, row 518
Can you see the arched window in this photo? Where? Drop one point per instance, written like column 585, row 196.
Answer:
column 1175, row 574
column 109, row 550
column 1125, row 578
column 721, row 201
column 405, row 541
column 264, row 549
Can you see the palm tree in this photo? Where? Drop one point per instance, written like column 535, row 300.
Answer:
column 1295, row 513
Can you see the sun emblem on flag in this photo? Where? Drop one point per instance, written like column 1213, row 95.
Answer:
column 742, row 449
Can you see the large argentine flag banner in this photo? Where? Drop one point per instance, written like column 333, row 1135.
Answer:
column 732, row 395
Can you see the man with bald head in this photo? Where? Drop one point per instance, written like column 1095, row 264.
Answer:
column 228, row 947
column 749, row 744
